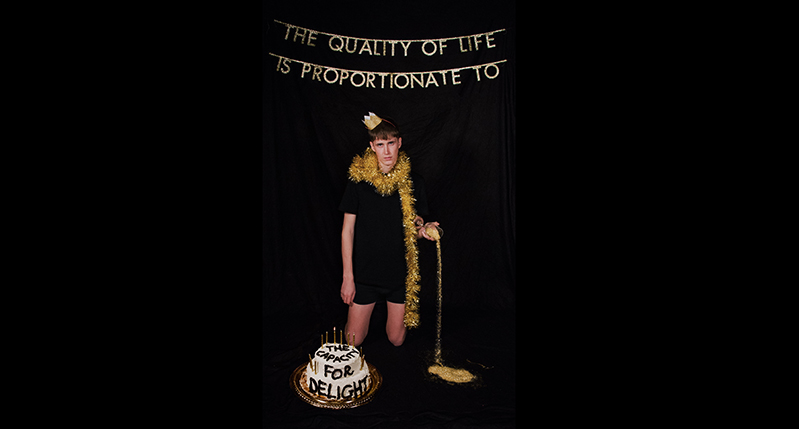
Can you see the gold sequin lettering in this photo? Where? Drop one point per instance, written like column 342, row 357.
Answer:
column 339, row 47
column 325, row 75
column 417, row 80
column 305, row 69
column 424, row 51
column 352, row 79
column 404, row 46
column 365, row 47
column 317, row 70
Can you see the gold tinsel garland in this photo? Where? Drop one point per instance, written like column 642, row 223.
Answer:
column 366, row 168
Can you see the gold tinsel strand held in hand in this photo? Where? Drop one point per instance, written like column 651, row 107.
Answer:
column 366, row 168
column 432, row 232
column 447, row 373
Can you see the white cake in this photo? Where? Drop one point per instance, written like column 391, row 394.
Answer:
column 336, row 372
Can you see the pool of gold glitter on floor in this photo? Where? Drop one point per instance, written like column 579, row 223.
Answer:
column 451, row 374
column 453, row 370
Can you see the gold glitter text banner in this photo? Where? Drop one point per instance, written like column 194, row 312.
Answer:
column 388, row 47
column 398, row 80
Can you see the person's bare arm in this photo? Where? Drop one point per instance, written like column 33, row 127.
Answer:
column 347, row 239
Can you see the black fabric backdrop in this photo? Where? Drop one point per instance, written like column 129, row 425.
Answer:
column 460, row 138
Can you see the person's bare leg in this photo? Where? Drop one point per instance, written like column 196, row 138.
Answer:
column 395, row 323
column 358, row 321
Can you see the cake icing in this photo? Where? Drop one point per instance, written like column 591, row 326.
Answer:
column 337, row 372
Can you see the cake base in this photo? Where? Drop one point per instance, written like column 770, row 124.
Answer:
column 295, row 381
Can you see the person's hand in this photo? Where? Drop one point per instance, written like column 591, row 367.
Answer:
column 348, row 291
column 424, row 230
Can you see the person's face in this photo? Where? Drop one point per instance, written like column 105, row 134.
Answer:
column 387, row 151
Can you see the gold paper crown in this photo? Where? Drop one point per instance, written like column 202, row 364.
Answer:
column 372, row 121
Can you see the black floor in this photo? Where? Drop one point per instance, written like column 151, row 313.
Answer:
column 483, row 343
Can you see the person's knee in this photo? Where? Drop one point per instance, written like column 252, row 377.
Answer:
column 356, row 337
column 357, row 325
column 397, row 338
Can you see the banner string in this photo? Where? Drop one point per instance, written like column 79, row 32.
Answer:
column 389, row 73
column 387, row 40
